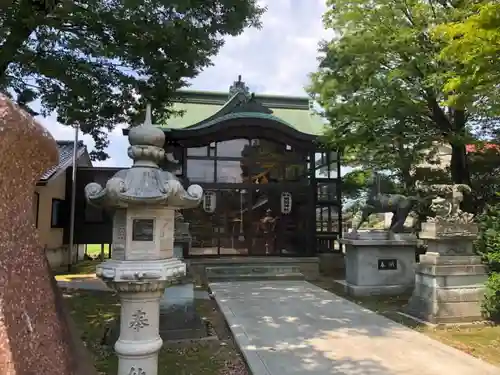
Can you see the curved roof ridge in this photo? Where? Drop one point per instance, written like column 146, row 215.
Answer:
column 237, row 115
column 222, row 109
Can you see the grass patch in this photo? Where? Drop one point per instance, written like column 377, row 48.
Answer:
column 95, row 250
column 92, row 311
column 86, row 266
column 482, row 341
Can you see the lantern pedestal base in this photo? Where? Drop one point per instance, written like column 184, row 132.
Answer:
column 139, row 341
column 140, row 285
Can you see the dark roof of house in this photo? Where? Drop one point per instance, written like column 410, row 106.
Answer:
column 65, row 149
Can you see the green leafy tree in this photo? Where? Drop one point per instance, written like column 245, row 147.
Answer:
column 382, row 85
column 488, row 246
column 95, row 62
column 485, row 173
column 357, row 182
column 472, row 44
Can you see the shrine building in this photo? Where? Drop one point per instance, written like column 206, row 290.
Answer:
column 271, row 190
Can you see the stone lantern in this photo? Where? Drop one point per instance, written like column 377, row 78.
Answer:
column 143, row 200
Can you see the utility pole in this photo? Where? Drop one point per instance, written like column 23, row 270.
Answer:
column 73, row 194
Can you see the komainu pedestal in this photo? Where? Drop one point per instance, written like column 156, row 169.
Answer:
column 449, row 280
column 379, row 265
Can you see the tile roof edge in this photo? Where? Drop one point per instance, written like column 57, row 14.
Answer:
column 62, row 167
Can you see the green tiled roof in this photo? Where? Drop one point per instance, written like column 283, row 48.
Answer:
column 238, row 115
column 193, row 113
column 292, row 111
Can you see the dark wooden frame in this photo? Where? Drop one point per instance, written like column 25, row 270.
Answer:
column 87, row 220
column 328, row 237
column 88, row 232
column 59, row 214
column 303, row 142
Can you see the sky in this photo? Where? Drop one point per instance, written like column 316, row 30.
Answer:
column 276, row 59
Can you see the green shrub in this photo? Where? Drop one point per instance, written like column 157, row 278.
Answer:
column 491, row 301
column 488, row 243
column 488, row 246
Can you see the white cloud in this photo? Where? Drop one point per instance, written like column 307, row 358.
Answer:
column 273, row 60
column 117, row 148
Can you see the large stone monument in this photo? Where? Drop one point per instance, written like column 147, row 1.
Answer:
column 37, row 334
column 143, row 199
column 449, row 280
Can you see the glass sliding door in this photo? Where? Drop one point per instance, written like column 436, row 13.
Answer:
column 203, row 231
column 230, row 222
column 262, row 200
column 279, row 227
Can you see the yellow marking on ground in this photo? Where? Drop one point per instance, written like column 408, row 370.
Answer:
column 72, row 277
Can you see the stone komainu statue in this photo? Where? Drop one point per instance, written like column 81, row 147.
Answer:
column 445, row 202
column 399, row 205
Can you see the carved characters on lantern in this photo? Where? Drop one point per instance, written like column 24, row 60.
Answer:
column 139, row 320
column 137, row 371
column 209, row 201
column 286, row 203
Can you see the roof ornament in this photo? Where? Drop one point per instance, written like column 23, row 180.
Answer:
column 239, row 86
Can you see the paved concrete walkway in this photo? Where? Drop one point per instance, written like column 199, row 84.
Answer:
column 91, row 282
column 294, row 327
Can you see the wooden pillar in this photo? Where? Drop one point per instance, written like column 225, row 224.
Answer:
column 312, row 242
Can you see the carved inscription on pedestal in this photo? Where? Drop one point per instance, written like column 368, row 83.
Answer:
column 456, row 250
column 137, row 371
column 119, row 234
column 387, row 264
column 139, row 320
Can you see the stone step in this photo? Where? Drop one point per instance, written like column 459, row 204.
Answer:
column 254, row 272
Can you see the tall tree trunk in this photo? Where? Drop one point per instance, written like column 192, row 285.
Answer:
column 453, row 127
column 406, row 165
column 459, row 165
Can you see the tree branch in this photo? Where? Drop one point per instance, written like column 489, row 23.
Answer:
column 28, row 16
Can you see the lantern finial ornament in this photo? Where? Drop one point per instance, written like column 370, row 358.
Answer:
column 147, row 120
